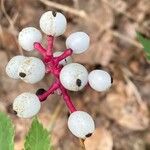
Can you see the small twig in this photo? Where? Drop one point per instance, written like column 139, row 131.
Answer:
column 79, row 13
column 82, row 144
column 126, row 14
column 134, row 88
column 11, row 22
column 55, row 115
column 5, row 14
column 125, row 38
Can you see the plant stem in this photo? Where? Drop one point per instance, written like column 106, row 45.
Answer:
column 67, row 99
column 53, row 67
column 82, row 144
column 50, row 41
column 65, row 54
column 48, row 92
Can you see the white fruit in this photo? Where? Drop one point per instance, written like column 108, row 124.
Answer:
column 99, row 80
column 81, row 124
column 53, row 23
column 78, row 42
column 31, row 70
column 13, row 66
column 74, row 76
column 26, row 105
column 65, row 61
column 28, row 36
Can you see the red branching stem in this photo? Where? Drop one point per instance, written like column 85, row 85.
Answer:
column 53, row 67
column 40, row 48
column 50, row 41
column 49, row 91
column 67, row 99
column 66, row 53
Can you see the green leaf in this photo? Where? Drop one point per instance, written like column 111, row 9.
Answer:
column 6, row 133
column 37, row 137
column 146, row 44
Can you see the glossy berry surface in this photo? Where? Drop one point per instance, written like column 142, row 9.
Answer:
column 99, row 80
column 13, row 66
column 26, row 105
column 31, row 70
column 53, row 23
column 74, row 76
column 81, row 124
column 28, row 36
column 78, row 42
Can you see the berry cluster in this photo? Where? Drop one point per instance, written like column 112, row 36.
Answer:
column 68, row 76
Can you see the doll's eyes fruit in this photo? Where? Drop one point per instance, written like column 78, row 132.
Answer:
column 28, row 36
column 81, row 124
column 78, row 42
column 99, row 80
column 68, row 76
column 74, row 76
column 13, row 66
column 31, row 70
column 65, row 61
column 53, row 23
column 26, row 105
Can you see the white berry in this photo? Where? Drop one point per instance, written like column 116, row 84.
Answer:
column 65, row 61
column 26, row 105
column 74, row 76
column 53, row 23
column 81, row 124
column 31, row 70
column 99, row 80
column 28, row 36
column 13, row 66
column 78, row 42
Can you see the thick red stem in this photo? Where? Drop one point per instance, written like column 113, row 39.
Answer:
column 52, row 66
column 40, row 48
column 50, row 41
column 49, row 91
column 67, row 99
column 66, row 53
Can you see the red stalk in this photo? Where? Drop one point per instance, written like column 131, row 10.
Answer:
column 52, row 66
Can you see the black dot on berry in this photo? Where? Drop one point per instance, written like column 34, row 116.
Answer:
column 88, row 135
column 21, row 74
column 40, row 91
column 14, row 112
column 111, row 79
column 78, row 82
column 54, row 13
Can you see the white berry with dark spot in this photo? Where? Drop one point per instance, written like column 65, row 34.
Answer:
column 81, row 124
column 26, row 105
column 65, row 61
column 53, row 23
column 74, row 76
column 28, row 36
column 32, row 70
column 99, row 80
column 78, row 42
column 13, row 66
